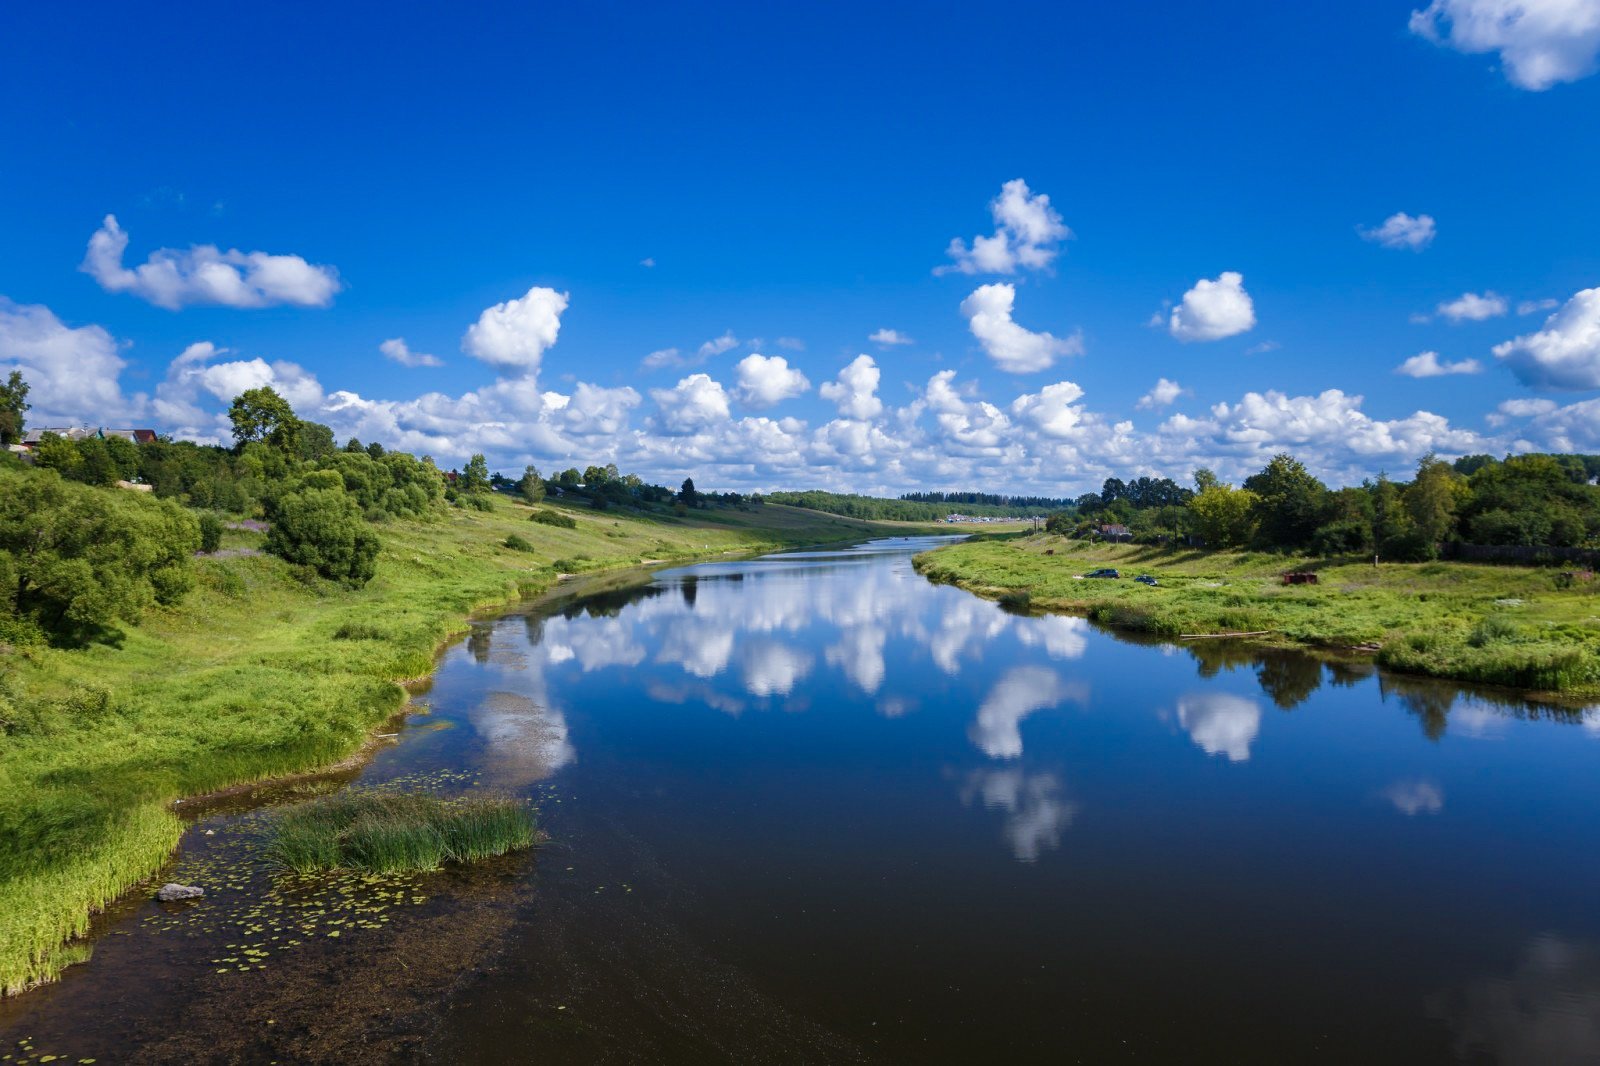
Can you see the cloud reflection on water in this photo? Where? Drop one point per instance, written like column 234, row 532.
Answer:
column 1035, row 812
column 1221, row 724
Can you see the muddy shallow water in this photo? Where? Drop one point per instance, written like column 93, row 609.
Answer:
column 812, row 808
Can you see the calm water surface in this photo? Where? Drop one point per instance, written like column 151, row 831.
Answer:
column 810, row 807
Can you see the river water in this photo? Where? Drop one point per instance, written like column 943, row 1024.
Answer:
column 811, row 807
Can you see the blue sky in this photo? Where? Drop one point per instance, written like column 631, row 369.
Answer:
column 591, row 184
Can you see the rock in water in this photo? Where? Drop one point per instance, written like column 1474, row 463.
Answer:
column 168, row 893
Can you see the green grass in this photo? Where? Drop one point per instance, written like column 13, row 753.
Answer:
column 1524, row 627
column 380, row 832
column 262, row 672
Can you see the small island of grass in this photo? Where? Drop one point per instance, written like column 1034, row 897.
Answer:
column 384, row 833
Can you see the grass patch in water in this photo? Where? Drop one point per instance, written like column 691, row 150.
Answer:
column 380, row 832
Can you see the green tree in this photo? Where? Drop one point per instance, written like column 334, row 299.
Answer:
column 77, row 559
column 1290, row 505
column 1225, row 516
column 687, row 494
column 475, row 478
column 14, row 406
column 531, row 485
column 1433, row 499
column 1205, row 479
column 318, row 524
column 262, row 416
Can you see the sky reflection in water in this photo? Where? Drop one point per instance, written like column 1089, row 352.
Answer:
column 1320, row 841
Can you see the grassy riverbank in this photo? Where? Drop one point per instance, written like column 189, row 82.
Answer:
column 1520, row 626
column 260, row 673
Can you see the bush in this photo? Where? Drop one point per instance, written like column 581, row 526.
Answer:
column 322, row 528
column 210, row 532
column 475, row 501
column 518, row 543
column 545, row 516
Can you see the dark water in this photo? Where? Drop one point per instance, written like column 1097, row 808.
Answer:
column 812, row 808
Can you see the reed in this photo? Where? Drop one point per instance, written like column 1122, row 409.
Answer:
column 378, row 832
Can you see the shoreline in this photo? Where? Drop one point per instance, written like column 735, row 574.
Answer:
column 48, row 901
column 1018, row 572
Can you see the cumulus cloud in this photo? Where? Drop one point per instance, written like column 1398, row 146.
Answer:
column 1427, row 365
column 72, row 372
column 1563, row 355
column 1221, row 724
column 693, row 403
column 1471, row 307
column 398, row 350
column 514, row 335
column 1540, row 42
column 888, row 338
column 1401, row 230
column 856, row 389
column 663, row 357
column 1027, row 234
column 1213, row 310
column 197, row 390
column 1164, row 393
column 1014, row 349
column 768, row 380
column 172, row 278
column 1053, row 411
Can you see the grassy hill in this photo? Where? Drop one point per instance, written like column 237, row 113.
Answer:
column 261, row 672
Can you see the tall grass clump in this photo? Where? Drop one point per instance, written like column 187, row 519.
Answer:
column 381, row 832
column 545, row 516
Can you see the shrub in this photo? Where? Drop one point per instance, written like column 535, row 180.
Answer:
column 322, row 528
column 210, row 532
column 545, row 516
column 518, row 543
column 475, row 501
column 359, row 631
column 1494, row 629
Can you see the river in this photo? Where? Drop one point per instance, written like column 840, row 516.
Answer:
column 811, row 807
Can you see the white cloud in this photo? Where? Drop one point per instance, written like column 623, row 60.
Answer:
column 1022, row 690
column 1411, row 798
column 1471, row 307
column 855, row 391
column 1541, row 42
column 1221, row 724
column 1401, row 230
column 768, row 380
column 172, row 278
column 193, row 398
column 647, row 261
column 1262, row 348
column 1164, row 393
column 1014, row 349
column 1213, row 310
column 1563, row 355
column 515, row 334
column 888, row 338
column 1027, row 234
column 72, row 372
column 662, row 357
column 398, row 350
column 1053, row 411
column 1523, row 408
column 1427, row 365
column 793, row 344
column 693, row 403
column 1533, row 307
column 718, row 345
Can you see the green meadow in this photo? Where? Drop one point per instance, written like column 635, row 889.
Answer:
column 263, row 671
column 1531, row 628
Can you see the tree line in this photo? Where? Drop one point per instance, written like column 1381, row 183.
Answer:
column 1534, row 500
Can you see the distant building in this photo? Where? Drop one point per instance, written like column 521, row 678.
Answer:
column 32, row 437
column 1113, row 531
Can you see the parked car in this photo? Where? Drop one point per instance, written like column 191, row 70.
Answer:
column 1146, row 579
column 1107, row 572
